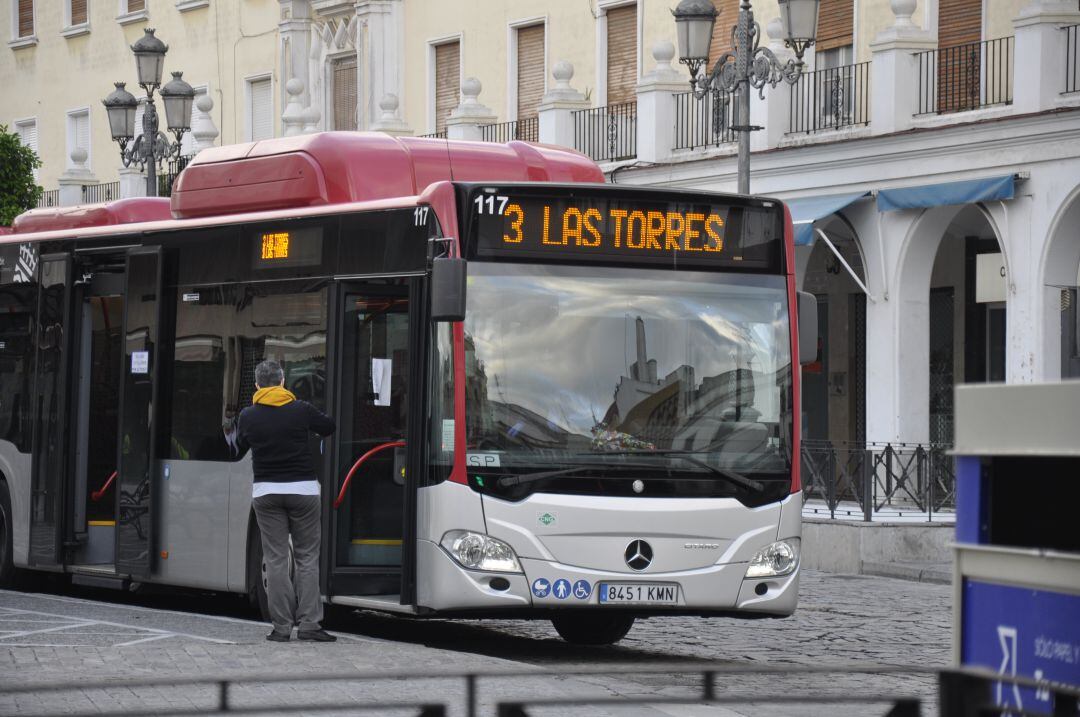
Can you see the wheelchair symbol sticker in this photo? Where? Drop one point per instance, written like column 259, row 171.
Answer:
column 582, row 589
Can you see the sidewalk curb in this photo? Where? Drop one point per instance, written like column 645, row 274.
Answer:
column 923, row 573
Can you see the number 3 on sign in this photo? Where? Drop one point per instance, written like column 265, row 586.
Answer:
column 490, row 200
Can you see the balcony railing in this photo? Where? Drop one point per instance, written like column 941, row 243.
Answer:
column 830, row 99
column 97, row 193
column 166, row 180
column 1072, row 58
column 879, row 478
column 525, row 130
column 434, row 135
column 49, row 198
column 607, row 134
column 966, row 77
column 703, row 122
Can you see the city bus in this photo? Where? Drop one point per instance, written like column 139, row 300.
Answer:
column 555, row 398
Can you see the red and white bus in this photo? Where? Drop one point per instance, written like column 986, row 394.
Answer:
column 555, row 398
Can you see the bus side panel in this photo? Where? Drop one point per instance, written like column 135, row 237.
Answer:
column 240, row 479
column 194, row 524
column 16, row 469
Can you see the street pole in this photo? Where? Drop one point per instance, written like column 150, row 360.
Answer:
column 742, row 70
column 150, row 129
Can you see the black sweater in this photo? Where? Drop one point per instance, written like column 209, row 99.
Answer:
column 278, row 438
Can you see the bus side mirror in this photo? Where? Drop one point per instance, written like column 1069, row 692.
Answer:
column 448, row 277
column 807, row 327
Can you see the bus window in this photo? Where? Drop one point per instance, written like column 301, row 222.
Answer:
column 442, row 404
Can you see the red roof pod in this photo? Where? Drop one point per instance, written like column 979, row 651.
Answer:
column 6, row 230
column 123, row 211
column 340, row 167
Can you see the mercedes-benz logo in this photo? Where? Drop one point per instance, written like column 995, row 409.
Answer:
column 638, row 555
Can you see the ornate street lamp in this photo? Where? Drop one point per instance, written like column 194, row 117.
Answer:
column 151, row 146
column 749, row 65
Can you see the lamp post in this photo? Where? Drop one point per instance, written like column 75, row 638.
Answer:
column 749, row 65
column 151, row 146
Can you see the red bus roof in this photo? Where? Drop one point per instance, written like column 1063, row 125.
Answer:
column 322, row 169
column 342, row 167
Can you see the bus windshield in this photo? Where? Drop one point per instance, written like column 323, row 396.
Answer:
column 672, row 375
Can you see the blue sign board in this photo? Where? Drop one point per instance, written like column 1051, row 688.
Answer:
column 1021, row 631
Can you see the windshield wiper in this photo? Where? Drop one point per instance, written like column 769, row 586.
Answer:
column 507, row 481
column 725, row 473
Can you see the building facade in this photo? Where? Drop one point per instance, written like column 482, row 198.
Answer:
column 930, row 151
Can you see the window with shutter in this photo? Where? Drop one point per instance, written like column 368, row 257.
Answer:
column 343, row 71
column 726, row 18
column 959, row 56
column 835, row 24
column 78, row 135
column 530, row 70
column 447, row 82
column 136, row 5
column 28, row 136
column 621, row 54
column 140, row 111
column 260, row 110
column 26, row 18
column 77, row 12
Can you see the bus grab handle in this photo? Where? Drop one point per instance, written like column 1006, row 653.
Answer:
column 97, row 494
column 360, row 462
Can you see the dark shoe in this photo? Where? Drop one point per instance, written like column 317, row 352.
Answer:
column 276, row 636
column 315, row 636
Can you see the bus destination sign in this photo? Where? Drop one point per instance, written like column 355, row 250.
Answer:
column 606, row 227
column 274, row 248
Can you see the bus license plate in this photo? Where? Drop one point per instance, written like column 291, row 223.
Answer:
column 638, row 594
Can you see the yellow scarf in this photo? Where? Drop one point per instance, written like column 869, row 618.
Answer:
column 273, row 396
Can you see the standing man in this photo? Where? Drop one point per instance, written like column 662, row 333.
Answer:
column 285, row 496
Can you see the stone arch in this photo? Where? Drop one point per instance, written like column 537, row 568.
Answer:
column 1059, row 270
column 924, row 260
column 834, row 386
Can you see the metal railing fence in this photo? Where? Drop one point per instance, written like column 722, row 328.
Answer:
column 960, row 691
column 1072, row 58
column 97, row 193
column 172, row 171
column 49, row 198
column 830, row 99
column 607, row 134
column 966, row 77
column 434, row 135
column 900, row 478
column 704, row 122
column 525, row 130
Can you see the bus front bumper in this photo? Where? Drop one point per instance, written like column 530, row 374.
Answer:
column 445, row 586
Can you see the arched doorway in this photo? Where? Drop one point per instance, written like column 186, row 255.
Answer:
column 953, row 294
column 834, row 386
column 1061, row 292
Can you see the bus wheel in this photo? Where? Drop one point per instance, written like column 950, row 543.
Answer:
column 592, row 628
column 256, row 574
column 7, row 566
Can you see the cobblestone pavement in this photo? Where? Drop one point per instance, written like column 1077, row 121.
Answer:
column 841, row 621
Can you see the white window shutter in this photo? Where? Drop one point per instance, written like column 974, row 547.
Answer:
column 82, row 134
column 261, row 110
column 139, row 112
column 28, row 136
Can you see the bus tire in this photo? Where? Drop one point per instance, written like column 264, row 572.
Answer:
column 592, row 628
column 256, row 573
column 7, row 549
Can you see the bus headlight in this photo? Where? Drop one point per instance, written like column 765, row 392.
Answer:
column 477, row 551
column 775, row 560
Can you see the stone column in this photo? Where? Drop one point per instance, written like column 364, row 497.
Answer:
column 389, row 121
column 294, row 33
column 380, row 39
column 1039, row 54
column 656, row 106
column 293, row 117
column 203, row 131
column 74, row 179
column 774, row 114
column 469, row 116
column 894, row 72
column 557, row 107
column 132, row 182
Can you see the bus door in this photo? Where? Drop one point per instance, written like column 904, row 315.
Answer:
column 140, row 412
column 51, row 402
column 371, row 501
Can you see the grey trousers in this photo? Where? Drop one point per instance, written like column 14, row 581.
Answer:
column 278, row 517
